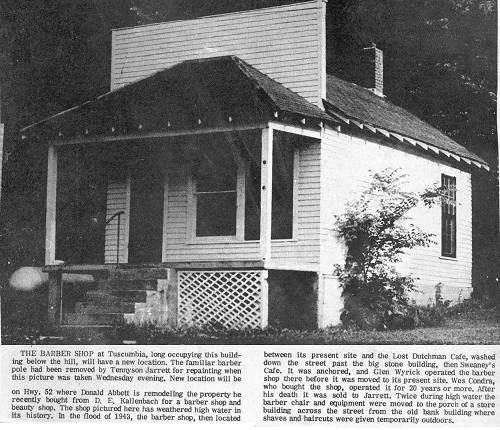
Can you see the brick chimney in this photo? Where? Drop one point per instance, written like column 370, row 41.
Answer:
column 373, row 74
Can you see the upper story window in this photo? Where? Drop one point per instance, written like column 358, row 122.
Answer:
column 449, row 216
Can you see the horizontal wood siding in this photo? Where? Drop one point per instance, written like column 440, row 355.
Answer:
column 304, row 251
column 346, row 162
column 178, row 246
column 283, row 42
column 117, row 200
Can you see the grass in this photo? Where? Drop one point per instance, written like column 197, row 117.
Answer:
column 468, row 323
column 471, row 322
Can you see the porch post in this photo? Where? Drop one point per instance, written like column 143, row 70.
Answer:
column 173, row 299
column 50, row 220
column 266, row 193
column 54, row 302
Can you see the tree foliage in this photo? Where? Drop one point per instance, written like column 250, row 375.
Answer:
column 439, row 60
column 377, row 231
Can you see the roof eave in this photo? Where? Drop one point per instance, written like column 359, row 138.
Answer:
column 388, row 134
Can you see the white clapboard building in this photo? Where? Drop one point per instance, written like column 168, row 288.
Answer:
column 202, row 188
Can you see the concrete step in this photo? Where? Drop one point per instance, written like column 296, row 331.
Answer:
column 93, row 319
column 115, row 297
column 106, row 305
column 87, row 334
column 127, row 285
column 138, row 273
column 121, row 306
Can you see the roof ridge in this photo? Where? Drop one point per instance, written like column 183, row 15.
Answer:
column 244, row 66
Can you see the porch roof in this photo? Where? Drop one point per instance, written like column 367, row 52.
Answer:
column 211, row 92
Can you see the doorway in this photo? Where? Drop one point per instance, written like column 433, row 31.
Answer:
column 146, row 212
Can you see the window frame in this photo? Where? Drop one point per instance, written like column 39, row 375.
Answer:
column 239, row 237
column 449, row 200
column 193, row 208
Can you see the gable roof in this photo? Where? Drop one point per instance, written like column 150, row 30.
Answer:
column 212, row 92
column 352, row 102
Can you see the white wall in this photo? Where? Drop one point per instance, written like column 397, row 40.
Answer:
column 330, row 301
column 287, row 43
column 346, row 162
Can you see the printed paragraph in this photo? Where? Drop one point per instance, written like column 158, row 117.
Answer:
column 261, row 384
column 109, row 384
column 87, row 365
column 129, row 405
column 378, row 387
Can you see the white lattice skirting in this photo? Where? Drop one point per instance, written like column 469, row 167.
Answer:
column 232, row 299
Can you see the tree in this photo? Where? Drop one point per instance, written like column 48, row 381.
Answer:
column 377, row 232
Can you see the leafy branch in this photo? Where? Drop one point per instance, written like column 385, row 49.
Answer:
column 377, row 231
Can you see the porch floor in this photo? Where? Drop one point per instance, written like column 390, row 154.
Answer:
column 178, row 265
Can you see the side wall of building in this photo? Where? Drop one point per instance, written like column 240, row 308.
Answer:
column 286, row 43
column 346, row 165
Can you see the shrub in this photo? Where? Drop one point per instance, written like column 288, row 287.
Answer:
column 377, row 231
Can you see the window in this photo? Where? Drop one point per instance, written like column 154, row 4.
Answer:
column 225, row 190
column 216, row 194
column 449, row 216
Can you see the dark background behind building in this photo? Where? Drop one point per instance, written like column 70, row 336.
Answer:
column 439, row 63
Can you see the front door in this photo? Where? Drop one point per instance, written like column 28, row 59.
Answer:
column 146, row 212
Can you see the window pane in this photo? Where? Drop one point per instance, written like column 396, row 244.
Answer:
column 216, row 214
column 448, row 216
column 216, row 172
